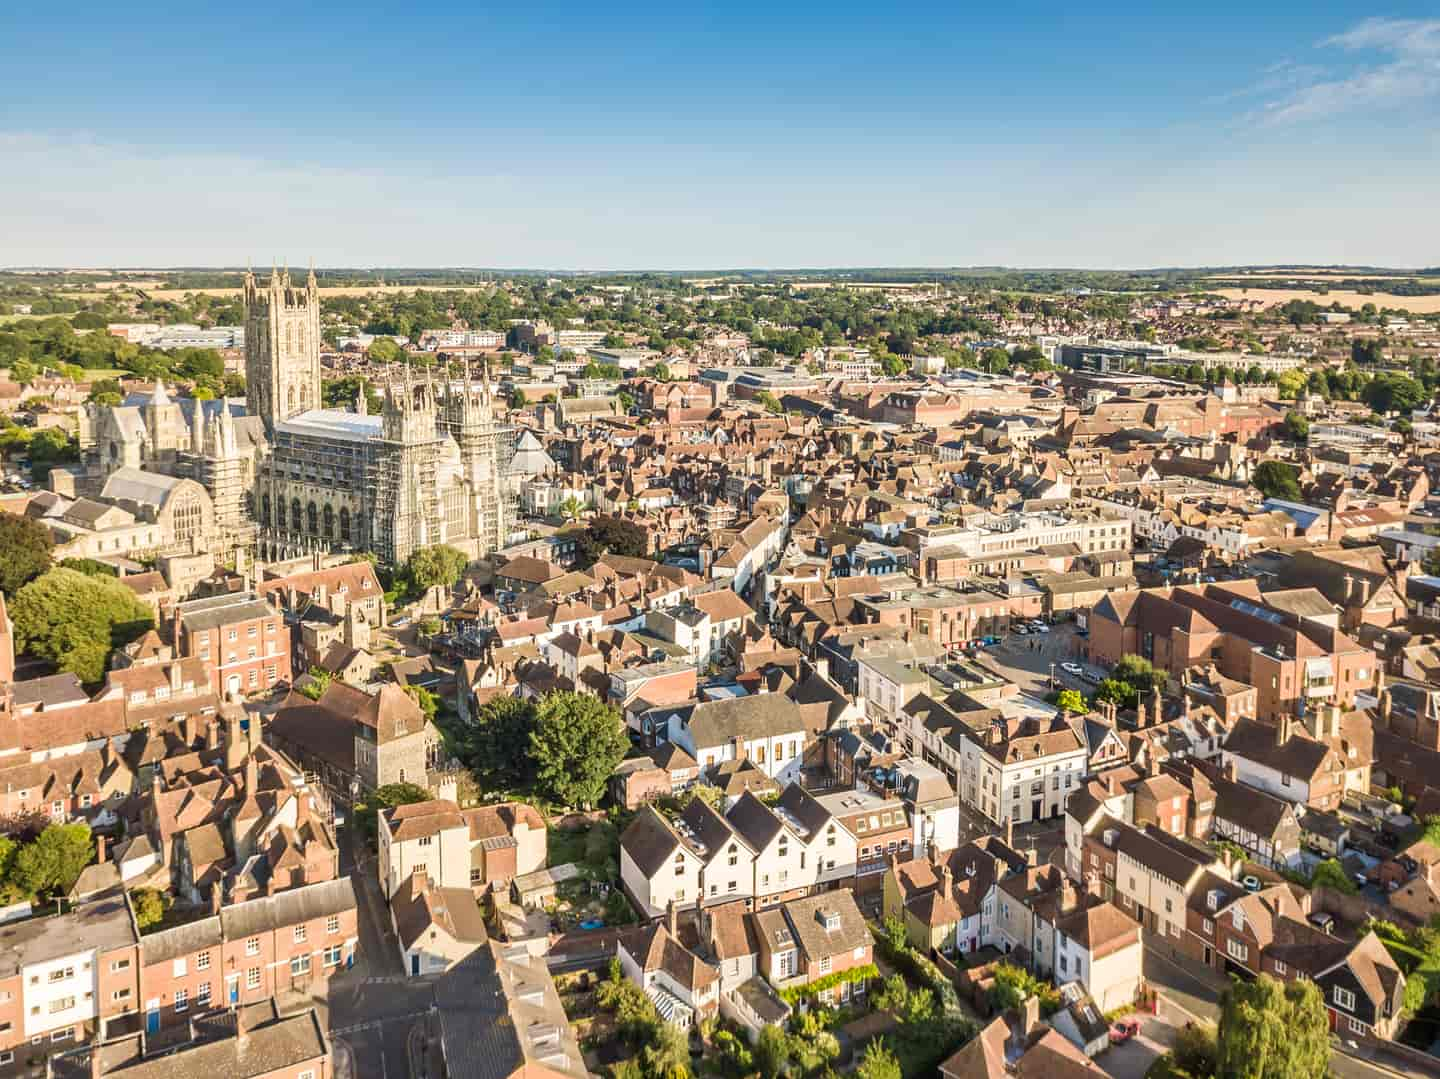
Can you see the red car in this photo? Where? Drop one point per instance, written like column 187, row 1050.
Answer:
column 1124, row 1030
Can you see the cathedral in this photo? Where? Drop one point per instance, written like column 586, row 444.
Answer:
column 288, row 475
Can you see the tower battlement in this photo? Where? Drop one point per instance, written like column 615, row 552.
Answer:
column 282, row 347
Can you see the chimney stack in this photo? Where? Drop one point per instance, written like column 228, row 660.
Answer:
column 947, row 881
column 1140, row 720
column 1385, row 705
column 1157, row 711
column 99, row 850
column 1010, row 832
column 672, row 919
column 1231, row 772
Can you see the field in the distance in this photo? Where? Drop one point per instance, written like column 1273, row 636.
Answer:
column 346, row 290
column 1274, row 297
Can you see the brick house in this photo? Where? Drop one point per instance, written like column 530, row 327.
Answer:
column 65, row 978
column 243, row 638
column 1228, row 626
column 248, row 952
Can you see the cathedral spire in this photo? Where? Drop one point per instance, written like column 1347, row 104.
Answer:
column 159, row 397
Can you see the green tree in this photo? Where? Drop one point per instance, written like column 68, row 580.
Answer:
column 1072, row 701
column 428, row 702
column 878, row 1062
column 1367, row 350
column 1139, row 672
column 575, row 745
column 518, row 400
column 1291, row 384
column 24, row 372
column 25, row 547
column 1297, row 426
column 892, row 365
column 1331, row 874
column 1393, row 393
column 438, row 564
column 496, row 746
column 319, row 681
column 571, row 508
column 613, row 535
column 772, row 1051
column 770, row 401
column 52, row 863
column 75, row 620
column 626, row 399
column 150, row 905
column 1196, row 1049
column 384, row 350
column 667, row 1056
column 1119, row 693
column 1272, row 1031
column 995, row 360
column 1276, row 479
column 345, row 393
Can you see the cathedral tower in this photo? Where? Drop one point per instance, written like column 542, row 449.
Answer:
column 282, row 348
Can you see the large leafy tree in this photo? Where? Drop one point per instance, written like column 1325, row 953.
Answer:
column 24, row 551
column 439, row 564
column 612, row 535
column 575, row 745
column 53, row 862
column 497, row 744
column 1273, row 1031
column 74, row 620
column 1276, row 479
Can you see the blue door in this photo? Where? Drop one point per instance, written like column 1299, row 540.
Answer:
column 234, row 990
column 415, row 964
column 152, row 1021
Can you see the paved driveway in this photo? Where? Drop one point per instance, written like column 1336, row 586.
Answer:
column 1133, row 1059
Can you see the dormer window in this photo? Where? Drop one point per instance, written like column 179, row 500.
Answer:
column 1212, row 899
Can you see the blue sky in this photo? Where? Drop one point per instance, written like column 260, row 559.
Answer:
column 638, row 136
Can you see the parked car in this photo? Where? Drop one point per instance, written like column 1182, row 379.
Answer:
column 1082, row 632
column 1022, row 631
column 1073, row 668
column 1039, row 627
column 1123, row 1030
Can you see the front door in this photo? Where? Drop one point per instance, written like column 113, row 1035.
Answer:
column 415, row 964
column 1035, row 809
column 232, row 986
column 152, row 1017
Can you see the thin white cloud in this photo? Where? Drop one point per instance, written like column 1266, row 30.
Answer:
column 1399, row 64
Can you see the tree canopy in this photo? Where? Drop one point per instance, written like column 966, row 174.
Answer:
column 496, row 745
column 75, row 620
column 438, row 564
column 25, row 547
column 614, row 535
column 575, row 744
column 1273, row 1031
column 1276, row 479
